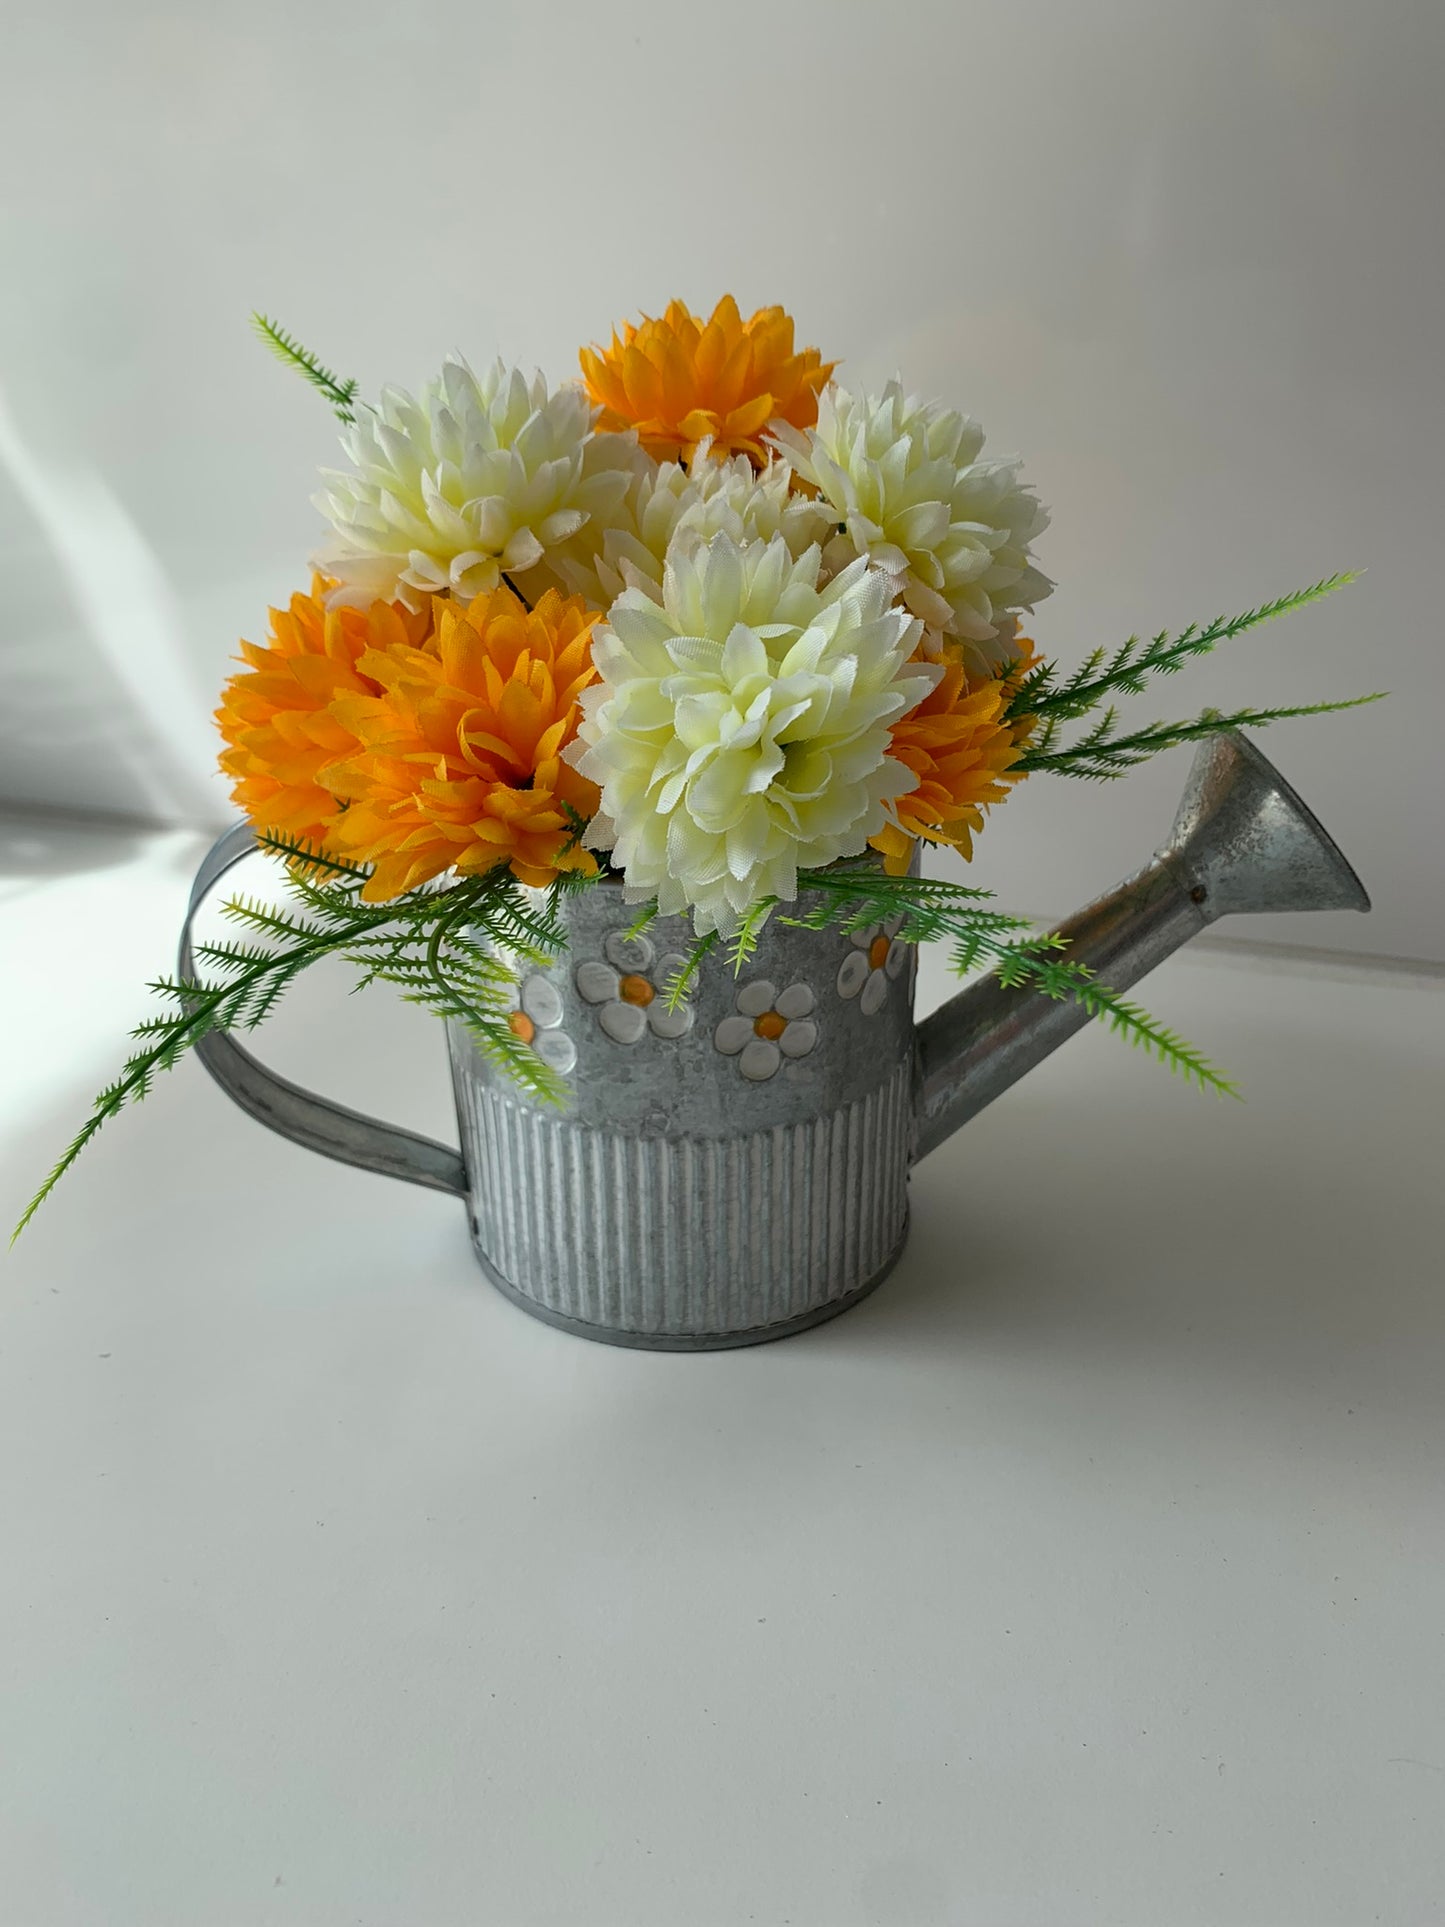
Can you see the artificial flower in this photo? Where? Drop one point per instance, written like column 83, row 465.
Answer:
column 740, row 732
column 458, row 764
column 276, row 714
column 477, row 478
column 960, row 748
column 681, row 380
column 908, row 485
column 712, row 497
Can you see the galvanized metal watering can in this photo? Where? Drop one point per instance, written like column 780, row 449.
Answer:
column 737, row 1169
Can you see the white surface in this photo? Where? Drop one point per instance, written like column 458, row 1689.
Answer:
column 1089, row 1574
column 1187, row 258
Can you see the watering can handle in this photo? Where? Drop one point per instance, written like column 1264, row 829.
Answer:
column 274, row 1101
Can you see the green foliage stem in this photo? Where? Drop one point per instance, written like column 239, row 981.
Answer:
column 1048, row 699
column 855, row 897
column 447, row 949
column 1102, row 754
column 1126, row 671
column 341, row 394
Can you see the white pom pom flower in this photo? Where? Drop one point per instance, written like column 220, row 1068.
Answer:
column 706, row 495
column 476, row 477
column 740, row 732
column 906, row 481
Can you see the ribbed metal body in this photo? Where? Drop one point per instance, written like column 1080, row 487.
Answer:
column 693, row 1240
column 713, row 1188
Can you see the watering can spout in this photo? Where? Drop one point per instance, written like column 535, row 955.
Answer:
column 1242, row 842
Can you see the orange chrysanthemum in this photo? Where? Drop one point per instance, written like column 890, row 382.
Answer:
column 679, row 380
column 276, row 717
column 961, row 748
column 459, row 758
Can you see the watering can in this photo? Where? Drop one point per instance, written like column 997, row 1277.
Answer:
column 734, row 1168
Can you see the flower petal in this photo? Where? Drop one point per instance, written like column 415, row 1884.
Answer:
column 795, row 1001
column 852, row 975
column 623, row 1023
column 670, row 1023
column 556, row 1050
column 628, row 953
column 597, row 983
column 542, row 1002
column 798, row 1038
column 732, row 1035
column 760, row 1060
column 754, row 998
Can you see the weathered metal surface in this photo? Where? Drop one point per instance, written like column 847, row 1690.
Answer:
column 736, row 1169
column 1242, row 842
column 744, row 1176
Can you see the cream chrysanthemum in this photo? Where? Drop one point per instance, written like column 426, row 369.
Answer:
column 478, row 476
column 913, row 496
column 741, row 729
column 706, row 495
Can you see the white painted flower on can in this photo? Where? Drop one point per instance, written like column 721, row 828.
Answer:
column 876, row 956
column 536, row 1018
column 768, row 1025
column 630, row 990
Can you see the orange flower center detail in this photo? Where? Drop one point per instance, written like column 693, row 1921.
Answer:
column 521, row 1025
column 771, row 1025
column 878, row 952
column 636, row 990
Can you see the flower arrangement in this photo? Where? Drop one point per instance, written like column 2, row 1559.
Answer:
column 702, row 621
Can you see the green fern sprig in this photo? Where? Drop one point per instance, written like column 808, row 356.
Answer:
column 341, row 394
column 447, row 949
column 1102, row 755
column 239, row 1001
column 305, row 859
column 744, row 940
column 1041, row 693
column 852, row 898
column 643, row 921
column 740, row 945
column 676, row 986
column 1065, row 981
column 451, row 950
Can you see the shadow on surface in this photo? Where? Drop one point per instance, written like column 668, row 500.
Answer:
column 1100, row 1232
column 1289, row 1238
column 41, row 845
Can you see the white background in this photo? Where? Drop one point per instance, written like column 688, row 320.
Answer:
column 1185, row 255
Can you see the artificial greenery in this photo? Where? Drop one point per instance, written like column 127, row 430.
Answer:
column 1047, row 700
column 853, row 897
column 447, row 949
column 1102, row 754
column 341, row 394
